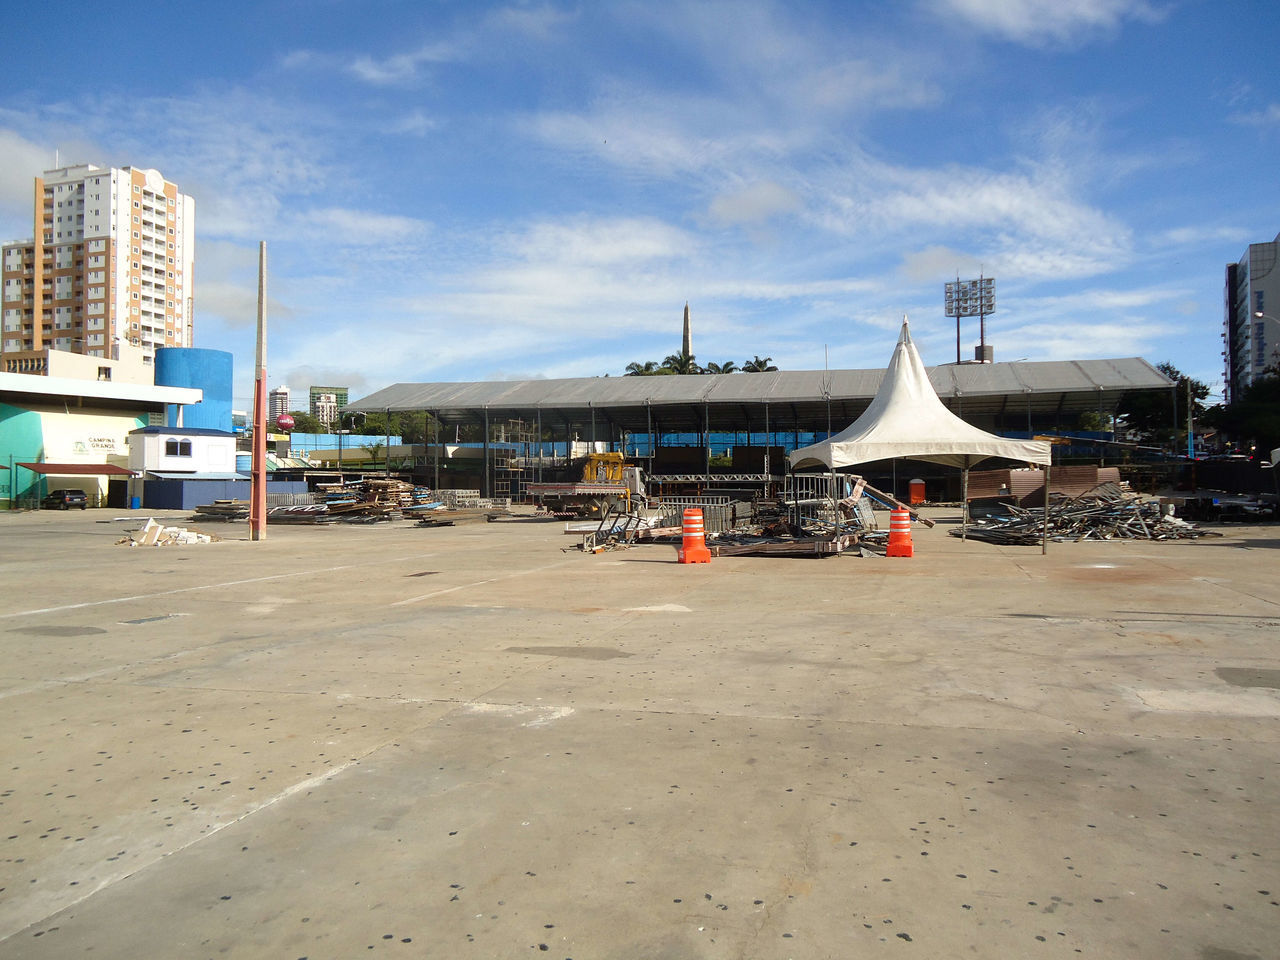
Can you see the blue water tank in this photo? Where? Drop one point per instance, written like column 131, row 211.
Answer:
column 207, row 370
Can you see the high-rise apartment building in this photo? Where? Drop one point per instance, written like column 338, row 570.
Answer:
column 111, row 261
column 327, row 401
column 1251, row 327
column 277, row 403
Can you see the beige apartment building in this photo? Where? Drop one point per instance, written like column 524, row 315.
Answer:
column 111, row 262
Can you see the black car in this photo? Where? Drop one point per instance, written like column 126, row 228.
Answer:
column 65, row 500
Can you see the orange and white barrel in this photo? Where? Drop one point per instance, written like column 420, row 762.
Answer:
column 900, row 534
column 693, row 547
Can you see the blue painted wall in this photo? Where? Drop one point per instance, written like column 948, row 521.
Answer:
column 189, row 494
column 207, row 370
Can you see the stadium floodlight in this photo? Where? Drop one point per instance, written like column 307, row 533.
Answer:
column 971, row 298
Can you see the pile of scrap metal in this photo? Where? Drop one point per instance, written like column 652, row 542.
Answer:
column 763, row 527
column 1107, row 512
column 825, row 533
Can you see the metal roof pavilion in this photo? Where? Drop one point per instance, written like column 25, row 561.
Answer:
column 801, row 399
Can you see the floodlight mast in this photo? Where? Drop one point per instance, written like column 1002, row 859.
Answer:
column 971, row 298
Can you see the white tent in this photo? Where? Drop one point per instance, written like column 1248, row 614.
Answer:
column 907, row 420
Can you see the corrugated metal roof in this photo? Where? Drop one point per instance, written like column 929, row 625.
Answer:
column 794, row 396
column 78, row 469
column 165, row 475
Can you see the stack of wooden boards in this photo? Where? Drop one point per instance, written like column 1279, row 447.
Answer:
column 366, row 501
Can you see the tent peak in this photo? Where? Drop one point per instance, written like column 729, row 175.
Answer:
column 904, row 335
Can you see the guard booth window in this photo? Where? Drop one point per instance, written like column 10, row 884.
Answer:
column 177, row 448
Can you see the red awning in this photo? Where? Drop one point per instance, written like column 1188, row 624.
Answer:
column 78, row 469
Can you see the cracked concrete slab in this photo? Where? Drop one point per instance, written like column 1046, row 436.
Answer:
column 295, row 749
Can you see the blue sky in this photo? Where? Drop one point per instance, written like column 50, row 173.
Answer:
column 466, row 191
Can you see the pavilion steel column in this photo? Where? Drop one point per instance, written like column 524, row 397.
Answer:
column 706, row 439
column 486, row 453
column 767, row 473
column 258, row 486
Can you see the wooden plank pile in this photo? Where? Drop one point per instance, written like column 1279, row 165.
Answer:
column 368, row 500
column 224, row 510
column 1106, row 512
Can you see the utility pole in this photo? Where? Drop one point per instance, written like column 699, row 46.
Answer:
column 1191, row 436
column 258, row 484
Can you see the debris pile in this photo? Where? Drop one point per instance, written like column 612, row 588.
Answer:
column 225, row 510
column 155, row 534
column 471, row 500
column 367, row 500
column 1106, row 512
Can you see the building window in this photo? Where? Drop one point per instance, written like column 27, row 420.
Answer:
column 177, row 448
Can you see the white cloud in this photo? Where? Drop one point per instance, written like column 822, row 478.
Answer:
column 1066, row 340
column 543, row 23
column 1036, row 22
column 344, row 227
column 23, row 161
column 585, row 242
column 937, row 264
column 415, row 123
column 402, row 68
column 1268, row 116
column 754, row 203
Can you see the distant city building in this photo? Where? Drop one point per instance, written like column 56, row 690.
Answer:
column 324, row 407
column 1251, row 327
column 128, row 366
column 111, row 261
column 277, row 403
column 332, row 398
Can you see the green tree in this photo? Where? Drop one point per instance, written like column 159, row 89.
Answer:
column 1157, row 417
column 1253, row 420
column 759, row 364
column 649, row 368
column 727, row 367
column 304, row 422
column 682, row 363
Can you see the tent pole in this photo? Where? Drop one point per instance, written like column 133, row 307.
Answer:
column 835, row 508
column 964, row 501
column 1044, row 534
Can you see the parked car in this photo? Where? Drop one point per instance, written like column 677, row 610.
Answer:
column 65, row 500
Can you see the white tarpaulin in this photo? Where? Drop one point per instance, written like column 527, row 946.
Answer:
column 907, row 420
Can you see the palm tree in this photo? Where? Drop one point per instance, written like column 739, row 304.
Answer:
column 759, row 365
column 649, row 368
column 681, row 363
column 727, row 367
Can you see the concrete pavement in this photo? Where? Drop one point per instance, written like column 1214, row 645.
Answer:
column 465, row 742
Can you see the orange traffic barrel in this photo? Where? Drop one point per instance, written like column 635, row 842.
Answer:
column 917, row 492
column 694, row 540
column 900, row 534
